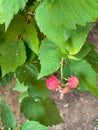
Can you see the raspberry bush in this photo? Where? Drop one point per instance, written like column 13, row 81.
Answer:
column 40, row 38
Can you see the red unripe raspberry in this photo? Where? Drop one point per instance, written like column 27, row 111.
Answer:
column 73, row 82
column 52, row 82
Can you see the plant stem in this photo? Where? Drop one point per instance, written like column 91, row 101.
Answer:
column 61, row 70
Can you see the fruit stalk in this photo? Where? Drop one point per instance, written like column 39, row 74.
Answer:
column 61, row 70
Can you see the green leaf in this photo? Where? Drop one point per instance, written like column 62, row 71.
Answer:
column 51, row 22
column 12, row 54
column 84, row 51
column 1, row 13
column 7, row 116
column 57, row 19
column 10, row 8
column 39, row 89
column 22, row 96
column 32, row 125
column 92, row 58
column 49, row 58
column 85, row 73
column 52, row 116
column 16, row 28
column 32, row 109
column 27, row 73
column 64, row 14
column 77, row 40
column 20, row 87
column 6, row 79
column 31, row 38
column 2, row 34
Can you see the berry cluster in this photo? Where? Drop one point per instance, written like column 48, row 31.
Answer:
column 53, row 83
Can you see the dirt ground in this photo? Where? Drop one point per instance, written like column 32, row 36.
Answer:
column 79, row 110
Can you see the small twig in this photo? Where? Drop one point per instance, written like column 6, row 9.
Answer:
column 61, row 70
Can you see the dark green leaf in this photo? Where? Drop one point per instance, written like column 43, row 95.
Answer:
column 27, row 73
column 84, row 51
column 85, row 73
column 31, row 38
column 12, row 55
column 33, row 109
column 32, row 125
column 49, row 58
column 52, row 116
column 39, row 89
column 7, row 116
column 92, row 58
column 6, row 79
column 16, row 27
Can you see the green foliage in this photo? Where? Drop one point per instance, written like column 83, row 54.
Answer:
column 30, row 125
column 77, row 40
column 10, row 8
column 31, row 38
column 33, row 109
column 56, row 19
column 27, row 73
column 20, row 87
column 49, row 58
column 87, row 76
column 84, row 51
column 7, row 116
column 92, row 58
column 16, row 27
column 1, row 13
column 6, row 79
column 11, row 58
column 35, row 36
column 22, row 96
column 52, row 116
column 39, row 89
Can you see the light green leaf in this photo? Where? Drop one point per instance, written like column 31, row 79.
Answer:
column 52, row 116
column 10, row 8
column 20, row 87
column 7, row 116
column 77, row 40
column 32, row 125
column 1, row 13
column 87, row 76
column 22, row 96
column 51, row 23
column 31, row 38
column 49, row 58
column 12, row 54
column 27, row 73
column 33, row 109
column 39, row 89
column 56, row 17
